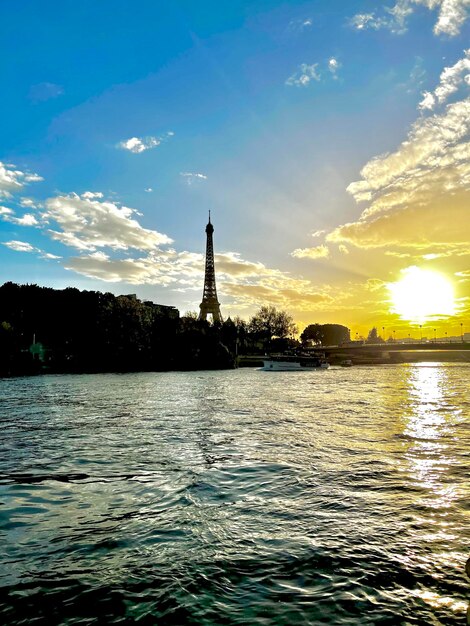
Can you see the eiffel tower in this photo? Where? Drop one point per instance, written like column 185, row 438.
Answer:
column 210, row 304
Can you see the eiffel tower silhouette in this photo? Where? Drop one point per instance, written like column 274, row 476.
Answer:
column 210, row 304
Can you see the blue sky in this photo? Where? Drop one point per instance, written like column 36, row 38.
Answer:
column 124, row 123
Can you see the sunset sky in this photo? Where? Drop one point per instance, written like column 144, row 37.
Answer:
column 329, row 139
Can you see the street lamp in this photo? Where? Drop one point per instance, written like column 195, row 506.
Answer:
column 383, row 333
column 434, row 335
column 393, row 336
column 461, row 331
column 446, row 336
column 421, row 333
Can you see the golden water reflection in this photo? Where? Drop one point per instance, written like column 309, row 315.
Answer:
column 430, row 418
column 431, row 413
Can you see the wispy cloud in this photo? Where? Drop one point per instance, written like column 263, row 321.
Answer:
column 300, row 24
column 192, row 177
column 45, row 91
column 137, row 145
column 451, row 16
column 20, row 246
column 24, row 246
column 318, row 252
column 304, row 75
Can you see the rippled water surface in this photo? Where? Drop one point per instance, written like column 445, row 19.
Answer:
column 236, row 497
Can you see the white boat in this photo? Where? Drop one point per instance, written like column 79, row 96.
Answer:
column 294, row 363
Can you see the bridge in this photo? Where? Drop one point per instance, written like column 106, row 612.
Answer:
column 395, row 352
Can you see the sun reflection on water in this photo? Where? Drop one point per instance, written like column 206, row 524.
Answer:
column 429, row 426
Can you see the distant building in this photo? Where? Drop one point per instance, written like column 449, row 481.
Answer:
column 164, row 310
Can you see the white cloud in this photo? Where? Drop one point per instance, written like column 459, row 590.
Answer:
column 333, row 66
column 91, row 195
column 451, row 80
column 318, row 252
column 451, row 17
column 318, row 233
column 140, row 144
column 192, row 177
column 13, row 180
column 20, row 246
column 87, row 224
column 428, row 101
column 27, row 220
column 305, row 74
column 8, row 215
column 28, row 202
column 148, row 190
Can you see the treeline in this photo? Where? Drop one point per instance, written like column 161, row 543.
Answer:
column 87, row 331
column 325, row 334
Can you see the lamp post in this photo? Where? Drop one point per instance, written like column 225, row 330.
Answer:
column 446, row 336
column 461, row 331
column 393, row 336
column 421, row 333
column 434, row 335
column 383, row 333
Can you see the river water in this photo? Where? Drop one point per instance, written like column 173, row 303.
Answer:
column 236, row 497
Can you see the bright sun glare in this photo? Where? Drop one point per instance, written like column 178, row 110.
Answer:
column 421, row 295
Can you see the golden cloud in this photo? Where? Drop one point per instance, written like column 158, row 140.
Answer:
column 317, row 252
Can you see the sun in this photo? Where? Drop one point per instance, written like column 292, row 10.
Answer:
column 421, row 295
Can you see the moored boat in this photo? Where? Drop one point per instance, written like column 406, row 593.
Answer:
column 294, row 363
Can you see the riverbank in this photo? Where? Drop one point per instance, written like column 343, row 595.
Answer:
column 384, row 357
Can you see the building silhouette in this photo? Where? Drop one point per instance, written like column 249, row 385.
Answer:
column 210, row 305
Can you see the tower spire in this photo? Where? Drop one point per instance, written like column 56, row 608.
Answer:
column 210, row 305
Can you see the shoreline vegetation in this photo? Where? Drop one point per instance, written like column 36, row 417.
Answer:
column 45, row 330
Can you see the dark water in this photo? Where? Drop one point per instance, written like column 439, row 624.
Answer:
column 239, row 497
